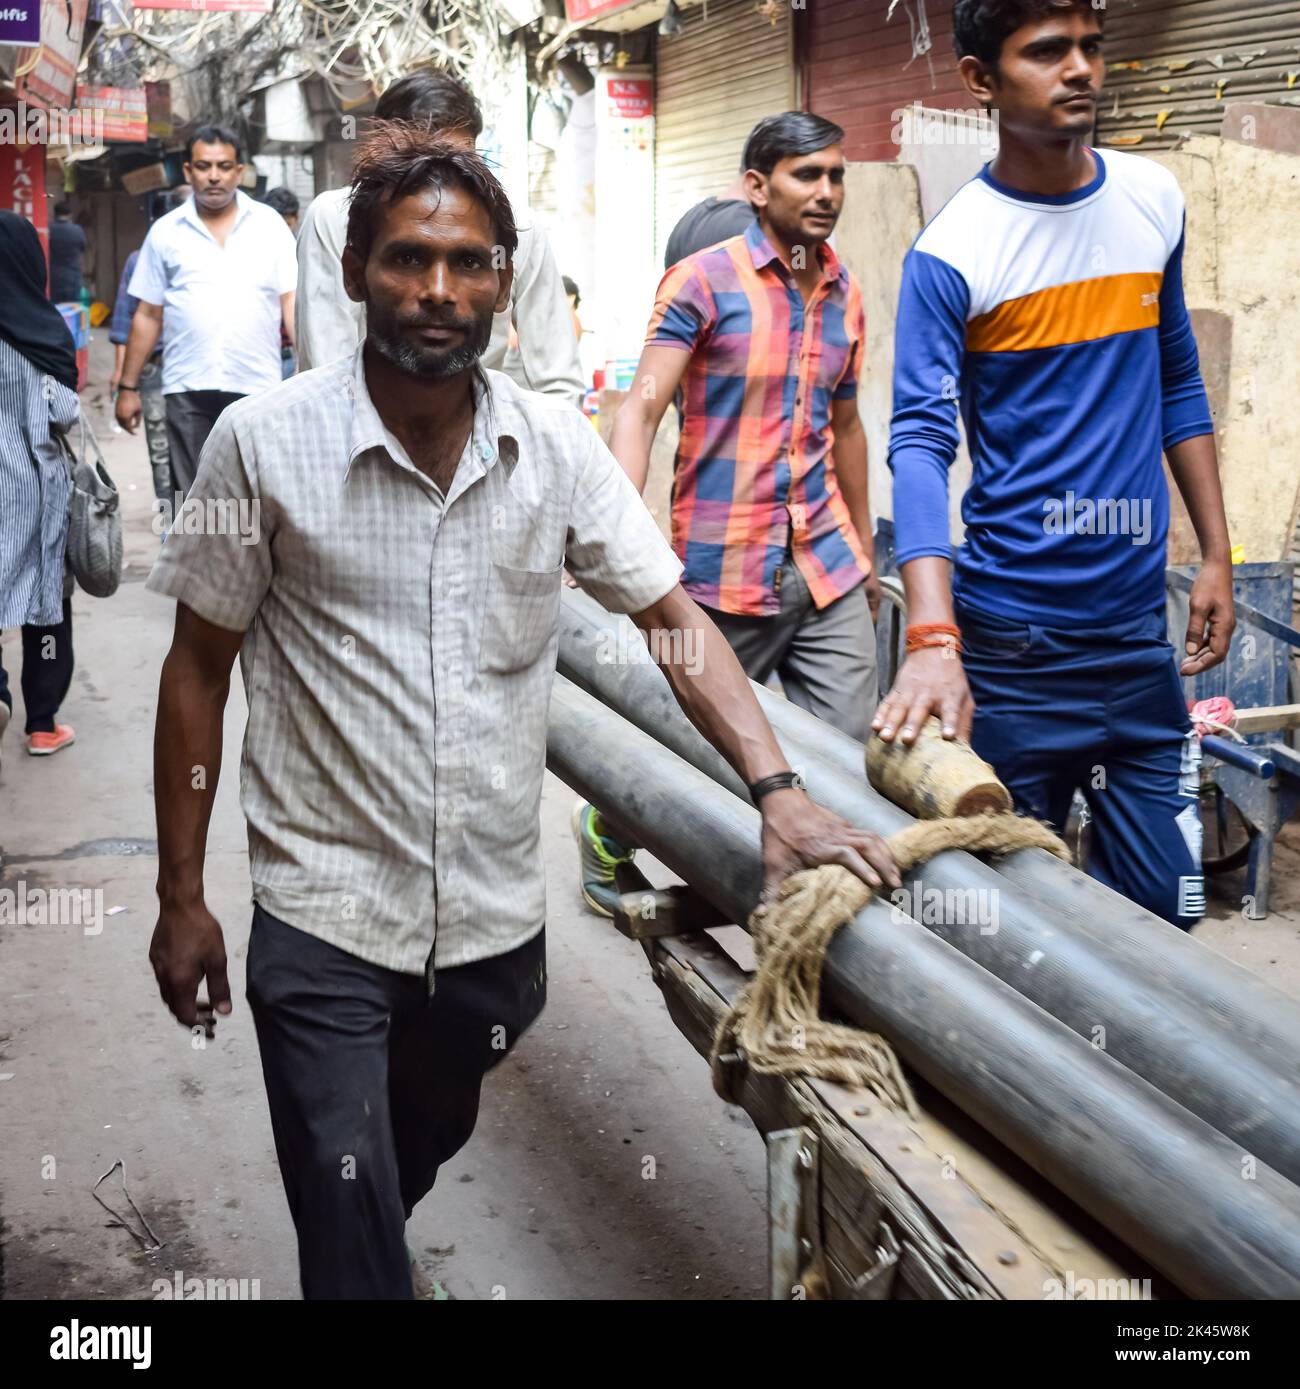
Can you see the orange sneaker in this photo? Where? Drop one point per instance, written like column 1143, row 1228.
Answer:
column 44, row 744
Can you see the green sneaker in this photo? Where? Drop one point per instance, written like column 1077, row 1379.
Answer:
column 599, row 857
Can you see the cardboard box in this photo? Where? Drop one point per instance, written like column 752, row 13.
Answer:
column 145, row 180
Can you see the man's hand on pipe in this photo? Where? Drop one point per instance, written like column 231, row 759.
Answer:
column 929, row 682
column 798, row 833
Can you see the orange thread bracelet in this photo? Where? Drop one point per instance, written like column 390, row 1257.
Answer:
column 922, row 636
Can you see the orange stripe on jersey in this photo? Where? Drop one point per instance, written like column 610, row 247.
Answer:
column 1065, row 314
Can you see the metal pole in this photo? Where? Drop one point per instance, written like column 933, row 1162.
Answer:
column 1203, row 1047
column 1161, row 1179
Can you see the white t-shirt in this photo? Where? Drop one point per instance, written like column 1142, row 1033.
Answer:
column 221, row 304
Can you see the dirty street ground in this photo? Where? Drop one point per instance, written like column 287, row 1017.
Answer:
column 603, row 1165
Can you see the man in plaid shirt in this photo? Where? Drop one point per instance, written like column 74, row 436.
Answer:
column 764, row 335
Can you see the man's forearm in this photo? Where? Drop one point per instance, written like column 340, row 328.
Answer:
column 145, row 332
column 187, row 764
column 711, row 686
column 631, row 439
column 287, row 315
column 927, row 581
column 851, row 473
column 1195, row 466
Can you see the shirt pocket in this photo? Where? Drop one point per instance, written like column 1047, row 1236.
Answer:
column 521, row 617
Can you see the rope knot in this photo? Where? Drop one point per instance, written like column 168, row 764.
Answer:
column 775, row 1026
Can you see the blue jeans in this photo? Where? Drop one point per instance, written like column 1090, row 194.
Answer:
column 1101, row 711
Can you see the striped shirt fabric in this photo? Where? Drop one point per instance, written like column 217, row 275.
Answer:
column 754, row 473
column 400, row 650
column 34, row 486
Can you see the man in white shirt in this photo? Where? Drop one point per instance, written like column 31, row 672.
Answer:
column 398, row 614
column 330, row 325
column 222, row 269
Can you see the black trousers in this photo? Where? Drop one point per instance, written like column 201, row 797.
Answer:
column 47, row 672
column 190, row 417
column 373, row 1085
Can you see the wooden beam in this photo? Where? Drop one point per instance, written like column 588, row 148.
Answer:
column 879, row 1172
column 1267, row 718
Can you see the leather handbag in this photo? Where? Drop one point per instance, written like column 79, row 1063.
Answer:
column 94, row 518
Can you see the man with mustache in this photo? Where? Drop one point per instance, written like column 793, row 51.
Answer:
column 529, row 340
column 1046, row 300
column 763, row 335
column 398, row 618
column 220, row 270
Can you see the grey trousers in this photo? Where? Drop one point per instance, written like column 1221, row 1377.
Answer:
column 154, row 412
column 190, row 417
column 825, row 658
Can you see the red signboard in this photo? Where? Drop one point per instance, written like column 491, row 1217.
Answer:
column 125, row 114
column 580, row 11
column 53, row 79
column 207, row 6
column 22, row 186
column 632, row 98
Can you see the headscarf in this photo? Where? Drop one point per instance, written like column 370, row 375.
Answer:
column 28, row 321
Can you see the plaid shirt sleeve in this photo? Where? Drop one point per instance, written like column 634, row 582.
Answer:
column 119, row 328
column 684, row 310
column 855, row 326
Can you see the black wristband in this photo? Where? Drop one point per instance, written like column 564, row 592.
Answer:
column 778, row 781
column 121, row 387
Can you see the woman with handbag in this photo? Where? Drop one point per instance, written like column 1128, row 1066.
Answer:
column 38, row 402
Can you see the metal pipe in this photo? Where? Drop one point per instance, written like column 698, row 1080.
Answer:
column 1141, row 1013
column 1249, row 759
column 1161, row 1179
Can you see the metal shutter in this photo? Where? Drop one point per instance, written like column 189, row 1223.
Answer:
column 728, row 68
column 1171, row 55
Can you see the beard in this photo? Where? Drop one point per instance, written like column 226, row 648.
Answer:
column 428, row 363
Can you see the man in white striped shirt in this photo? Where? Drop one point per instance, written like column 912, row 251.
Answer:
column 330, row 325
column 397, row 604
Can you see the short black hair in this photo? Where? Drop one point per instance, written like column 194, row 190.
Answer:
column 212, row 135
column 792, row 132
column 434, row 99
column 63, row 208
column 283, row 200
column 397, row 159
column 980, row 27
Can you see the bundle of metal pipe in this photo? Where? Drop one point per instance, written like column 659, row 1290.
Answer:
column 1210, row 1035
column 1160, row 1178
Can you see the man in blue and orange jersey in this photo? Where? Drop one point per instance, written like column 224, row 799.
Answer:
column 1046, row 302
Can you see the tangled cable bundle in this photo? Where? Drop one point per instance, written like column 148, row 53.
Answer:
column 776, row 1026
